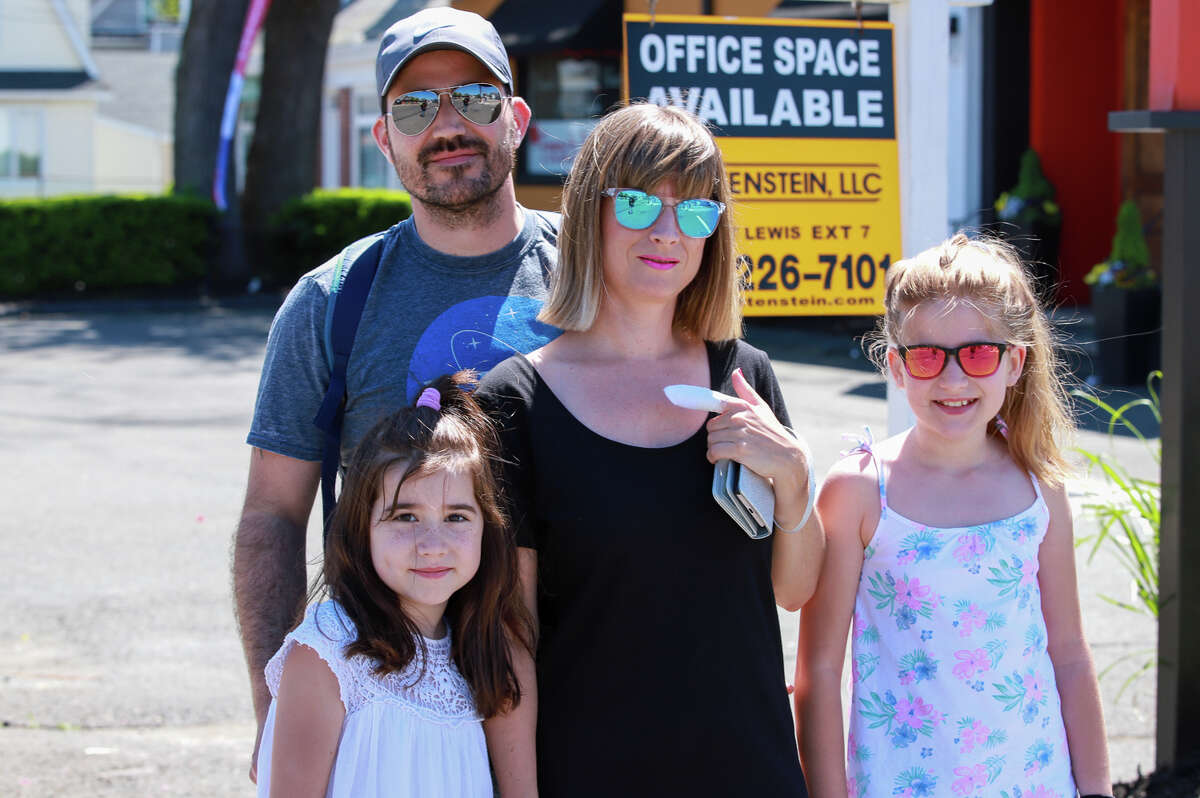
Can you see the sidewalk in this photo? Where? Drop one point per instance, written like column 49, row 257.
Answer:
column 120, row 668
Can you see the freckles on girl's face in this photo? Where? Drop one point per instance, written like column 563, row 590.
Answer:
column 426, row 544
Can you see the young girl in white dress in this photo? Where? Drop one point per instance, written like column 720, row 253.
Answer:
column 950, row 557
column 381, row 688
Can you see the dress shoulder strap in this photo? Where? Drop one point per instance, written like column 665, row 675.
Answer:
column 864, row 444
column 1037, row 488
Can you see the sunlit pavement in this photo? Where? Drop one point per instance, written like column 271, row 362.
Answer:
column 120, row 668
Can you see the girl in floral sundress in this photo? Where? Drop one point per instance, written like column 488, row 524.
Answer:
column 950, row 557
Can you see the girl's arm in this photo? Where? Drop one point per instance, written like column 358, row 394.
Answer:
column 824, row 622
column 511, row 737
column 1073, row 668
column 749, row 433
column 308, row 725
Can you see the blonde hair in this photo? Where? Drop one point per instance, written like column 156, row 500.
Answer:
column 987, row 274
column 640, row 146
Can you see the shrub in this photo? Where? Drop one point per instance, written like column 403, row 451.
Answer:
column 310, row 230
column 97, row 243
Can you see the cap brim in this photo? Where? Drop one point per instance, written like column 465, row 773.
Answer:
column 430, row 47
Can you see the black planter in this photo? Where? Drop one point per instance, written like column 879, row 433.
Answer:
column 1128, row 332
column 1037, row 243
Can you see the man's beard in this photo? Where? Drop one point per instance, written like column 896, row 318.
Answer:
column 455, row 199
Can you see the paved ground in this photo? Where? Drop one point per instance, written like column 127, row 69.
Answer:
column 124, row 466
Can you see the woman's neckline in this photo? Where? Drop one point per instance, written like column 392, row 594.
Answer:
column 713, row 379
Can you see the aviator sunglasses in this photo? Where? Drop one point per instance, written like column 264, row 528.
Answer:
column 637, row 210
column 926, row 361
column 478, row 103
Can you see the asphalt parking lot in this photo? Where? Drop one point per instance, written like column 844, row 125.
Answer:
column 124, row 466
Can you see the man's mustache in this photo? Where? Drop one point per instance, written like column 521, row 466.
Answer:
column 451, row 145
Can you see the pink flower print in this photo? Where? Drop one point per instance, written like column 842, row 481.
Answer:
column 852, row 787
column 1034, row 689
column 1029, row 571
column 914, row 712
column 855, row 673
column 906, row 677
column 970, row 779
column 970, row 619
column 969, row 547
column 851, row 746
column 859, row 625
column 909, row 593
column 973, row 735
column 971, row 662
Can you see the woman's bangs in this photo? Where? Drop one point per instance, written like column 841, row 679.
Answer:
column 648, row 160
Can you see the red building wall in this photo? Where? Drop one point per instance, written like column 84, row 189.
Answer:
column 1076, row 69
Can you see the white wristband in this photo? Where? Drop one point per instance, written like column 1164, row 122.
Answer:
column 812, row 486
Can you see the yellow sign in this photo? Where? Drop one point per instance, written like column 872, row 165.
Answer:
column 804, row 113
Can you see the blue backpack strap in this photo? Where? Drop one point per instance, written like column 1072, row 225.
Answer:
column 352, row 277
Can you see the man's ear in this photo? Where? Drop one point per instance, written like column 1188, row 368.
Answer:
column 522, row 116
column 379, row 132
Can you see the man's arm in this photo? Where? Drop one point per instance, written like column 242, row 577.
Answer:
column 268, row 563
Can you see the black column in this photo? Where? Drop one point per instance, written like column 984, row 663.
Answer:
column 1178, row 719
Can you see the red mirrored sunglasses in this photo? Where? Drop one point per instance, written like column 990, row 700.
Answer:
column 976, row 359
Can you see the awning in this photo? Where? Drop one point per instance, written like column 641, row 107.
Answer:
column 538, row 26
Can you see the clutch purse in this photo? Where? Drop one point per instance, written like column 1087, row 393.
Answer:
column 747, row 497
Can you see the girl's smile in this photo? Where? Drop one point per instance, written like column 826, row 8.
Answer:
column 953, row 403
column 425, row 540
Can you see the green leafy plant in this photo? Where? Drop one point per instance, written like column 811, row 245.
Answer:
column 311, row 229
column 1129, row 516
column 100, row 243
column 1128, row 264
column 1031, row 201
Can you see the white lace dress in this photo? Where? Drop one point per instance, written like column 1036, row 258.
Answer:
column 403, row 735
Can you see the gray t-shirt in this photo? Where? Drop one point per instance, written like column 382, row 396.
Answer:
column 428, row 314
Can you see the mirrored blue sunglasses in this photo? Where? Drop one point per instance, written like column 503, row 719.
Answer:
column 637, row 210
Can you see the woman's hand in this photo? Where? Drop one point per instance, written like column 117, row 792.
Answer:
column 748, row 432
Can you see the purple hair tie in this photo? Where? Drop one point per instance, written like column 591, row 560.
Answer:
column 1001, row 427
column 430, row 398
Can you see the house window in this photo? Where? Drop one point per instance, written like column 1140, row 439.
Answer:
column 568, row 96
column 374, row 171
column 20, row 143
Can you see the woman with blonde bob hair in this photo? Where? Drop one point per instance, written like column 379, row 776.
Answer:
column 659, row 663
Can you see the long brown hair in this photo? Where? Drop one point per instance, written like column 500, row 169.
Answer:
column 640, row 146
column 988, row 275
column 486, row 613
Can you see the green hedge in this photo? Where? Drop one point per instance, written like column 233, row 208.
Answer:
column 311, row 229
column 100, row 243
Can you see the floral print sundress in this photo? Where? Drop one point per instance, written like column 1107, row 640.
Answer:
column 953, row 689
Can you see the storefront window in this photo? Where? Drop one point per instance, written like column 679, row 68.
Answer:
column 568, row 95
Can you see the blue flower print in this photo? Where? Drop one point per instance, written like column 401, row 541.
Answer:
column 926, row 635
column 905, row 618
column 1029, row 712
column 904, row 735
column 916, row 782
column 926, row 753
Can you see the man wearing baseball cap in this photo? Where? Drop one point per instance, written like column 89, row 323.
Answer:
column 458, row 285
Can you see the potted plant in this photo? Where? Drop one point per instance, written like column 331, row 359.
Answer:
column 1031, row 221
column 1127, row 305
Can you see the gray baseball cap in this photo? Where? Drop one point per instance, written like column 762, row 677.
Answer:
column 441, row 28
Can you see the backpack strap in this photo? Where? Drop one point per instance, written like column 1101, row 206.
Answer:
column 353, row 275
